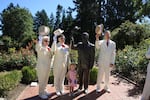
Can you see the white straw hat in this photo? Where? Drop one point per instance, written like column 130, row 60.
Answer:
column 58, row 32
column 99, row 29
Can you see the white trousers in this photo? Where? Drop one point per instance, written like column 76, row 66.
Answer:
column 43, row 76
column 103, row 70
column 59, row 77
column 146, row 90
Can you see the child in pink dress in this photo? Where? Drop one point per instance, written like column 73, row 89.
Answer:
column 72, row 78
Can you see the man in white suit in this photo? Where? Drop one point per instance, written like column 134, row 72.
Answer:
column 146, row 90
column 106, row 59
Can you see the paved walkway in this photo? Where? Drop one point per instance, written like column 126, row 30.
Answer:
column 120, row 90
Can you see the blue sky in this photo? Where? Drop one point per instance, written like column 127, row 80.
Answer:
column 37, row 5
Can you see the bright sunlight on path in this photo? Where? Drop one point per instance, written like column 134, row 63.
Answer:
column 120, row 90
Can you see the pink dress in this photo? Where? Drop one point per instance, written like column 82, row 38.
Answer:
column 73, row 79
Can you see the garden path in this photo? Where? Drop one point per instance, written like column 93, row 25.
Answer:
column 120, row 90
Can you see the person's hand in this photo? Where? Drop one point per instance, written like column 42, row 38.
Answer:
column 40, row 39
column 54, row 38
column 97, row 36
column 72, row 39
column 111, row 65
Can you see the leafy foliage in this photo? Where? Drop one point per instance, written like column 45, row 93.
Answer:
column 16, row 59
column 129, row 34
column 131, row 62
column 17, row 23
column 29, row 74
column 9, row 80
column 93, row 75
column 41, row 18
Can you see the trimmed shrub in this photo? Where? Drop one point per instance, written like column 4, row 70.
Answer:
column 8, row 81
column 51, row 78
column 132, row 63
column 93, row 75
column 29, row 74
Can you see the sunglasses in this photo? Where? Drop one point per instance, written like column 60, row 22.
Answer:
column 46, row 41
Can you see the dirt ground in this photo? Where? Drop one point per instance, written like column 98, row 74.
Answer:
column 13, row 94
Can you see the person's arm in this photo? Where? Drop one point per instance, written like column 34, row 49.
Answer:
column 54, row 44
column 97, row 42
column 92, row 57
column 72, row 45
column 113, row 55
column 148, row 54
column 38, row 43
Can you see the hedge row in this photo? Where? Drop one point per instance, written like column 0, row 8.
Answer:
column 8, row 81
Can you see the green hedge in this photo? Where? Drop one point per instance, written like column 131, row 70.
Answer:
column 93, row 75
column 29, row 74
column 8, row 81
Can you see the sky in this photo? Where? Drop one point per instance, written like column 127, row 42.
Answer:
column 37, row 5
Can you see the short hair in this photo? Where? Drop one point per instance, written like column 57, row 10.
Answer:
column 45, row 37
column 85, row 34
column 107, row 31
column 61, row 35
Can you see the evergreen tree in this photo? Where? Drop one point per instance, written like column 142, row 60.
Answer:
column 41, row 18
column 58, row 16
column 17, row 23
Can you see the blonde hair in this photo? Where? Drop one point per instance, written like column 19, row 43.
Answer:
column 72, row 64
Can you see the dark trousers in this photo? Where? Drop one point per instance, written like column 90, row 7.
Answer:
column 83, row 78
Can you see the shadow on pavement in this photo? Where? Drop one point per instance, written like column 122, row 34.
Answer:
column 92, row 95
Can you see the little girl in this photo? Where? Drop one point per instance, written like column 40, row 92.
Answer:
column 72, row 78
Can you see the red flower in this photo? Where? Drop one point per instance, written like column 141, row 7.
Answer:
column 48, row 48
column 63, row 46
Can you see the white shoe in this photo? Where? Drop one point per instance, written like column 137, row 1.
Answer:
column 98, row 90
column 46, row 93
column 86, row 91
column 79, row 90
column 62, row 92
column 43, row 96
column 58, row 93
column 108, row 90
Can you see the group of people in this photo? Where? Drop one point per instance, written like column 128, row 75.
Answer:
column 58, row 56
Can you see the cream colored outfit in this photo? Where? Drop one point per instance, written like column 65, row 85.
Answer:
column 106, row 57
column 61, row 61
column 146, row 90
column 43, row 66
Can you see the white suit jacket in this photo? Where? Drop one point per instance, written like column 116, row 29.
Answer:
column 107, row 53
column 61, row 55
column 44, row 56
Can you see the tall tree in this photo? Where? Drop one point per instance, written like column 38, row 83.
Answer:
column 51, row 22
column 17, row 23
column 109, row 12
column 58, row 16
column 87, row 11
column 41, row 18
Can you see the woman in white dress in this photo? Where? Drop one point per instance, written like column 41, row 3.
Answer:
column 146, row 90
column 61, row 61
column 43, row 64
